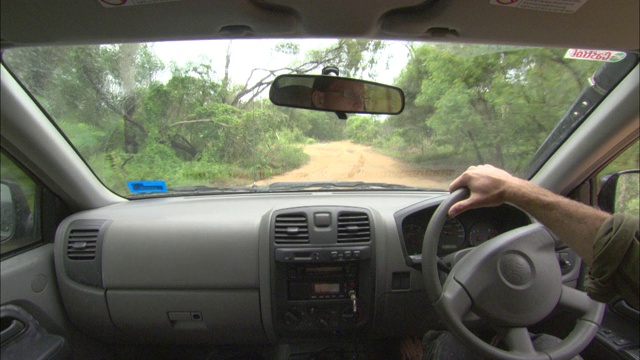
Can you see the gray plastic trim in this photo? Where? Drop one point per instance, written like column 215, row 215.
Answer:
column 457, row 297
column 29, row 279
column 609, row 129
column 206, row 247
column 176, row 254
column 38, row 144
column 223, row 317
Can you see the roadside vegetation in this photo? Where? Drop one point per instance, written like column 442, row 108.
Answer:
column 198, row 127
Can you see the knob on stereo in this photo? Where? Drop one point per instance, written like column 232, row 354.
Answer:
column 291, row 318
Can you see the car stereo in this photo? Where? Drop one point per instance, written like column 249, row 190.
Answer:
column 321, row 282
column 315, row 289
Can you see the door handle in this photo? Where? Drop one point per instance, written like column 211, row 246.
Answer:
column 14, row 328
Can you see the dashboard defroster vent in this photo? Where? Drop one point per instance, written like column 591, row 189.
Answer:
column 291, row 229
column 353, row 227
column 81, row 244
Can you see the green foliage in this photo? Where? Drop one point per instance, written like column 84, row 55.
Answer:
column 354, row 58
column 320, row 125
column 628, row 194
column 456, row 97
column 290, row 48
column 362, row 130
column 87, row 138
column 464, row 104
column 285, row 157
column 629, row 159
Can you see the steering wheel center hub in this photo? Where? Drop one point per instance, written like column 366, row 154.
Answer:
column 516, row 270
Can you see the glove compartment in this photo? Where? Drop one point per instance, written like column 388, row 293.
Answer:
column 187, row 316
column 191, row 282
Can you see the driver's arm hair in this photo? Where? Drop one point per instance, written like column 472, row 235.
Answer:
column 573, row 222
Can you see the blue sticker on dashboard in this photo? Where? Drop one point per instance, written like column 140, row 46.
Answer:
column 147, row 186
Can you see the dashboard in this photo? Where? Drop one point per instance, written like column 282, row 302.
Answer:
column 259, row 268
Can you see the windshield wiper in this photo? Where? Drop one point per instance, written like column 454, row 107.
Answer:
column 199, row 190
column 282, row 186
column 342, row 185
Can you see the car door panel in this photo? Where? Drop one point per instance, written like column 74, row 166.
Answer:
column 22, row 337
column 33, row 319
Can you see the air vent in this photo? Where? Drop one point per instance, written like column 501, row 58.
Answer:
column 291, row 228
column 353, row 227
column 81, row 244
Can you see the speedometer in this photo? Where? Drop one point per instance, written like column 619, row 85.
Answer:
column 452, row 237
column 481, row 232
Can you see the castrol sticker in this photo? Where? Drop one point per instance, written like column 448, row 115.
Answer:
column 595, row 55
column 556, row 6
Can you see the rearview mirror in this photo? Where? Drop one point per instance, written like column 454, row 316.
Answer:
column 337, row 94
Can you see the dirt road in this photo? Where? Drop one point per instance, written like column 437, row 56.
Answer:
column 346, row 161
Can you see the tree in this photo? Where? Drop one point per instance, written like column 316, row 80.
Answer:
column 412, row 124
column 363, row 129
column 466, row 98
column 353, row 57
column 193, row 126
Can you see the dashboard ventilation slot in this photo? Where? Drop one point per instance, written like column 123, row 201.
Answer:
column 81, row 244
column 353, row 227
column 291, row 229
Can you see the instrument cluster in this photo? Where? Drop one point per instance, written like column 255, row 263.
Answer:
column 468, row 229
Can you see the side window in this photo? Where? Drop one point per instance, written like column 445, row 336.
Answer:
column 18, row 195
column 627, row 190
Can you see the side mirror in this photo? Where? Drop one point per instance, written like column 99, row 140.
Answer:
column 620, row 192
column 15, row 217
column 8, row 223
column 336, row 94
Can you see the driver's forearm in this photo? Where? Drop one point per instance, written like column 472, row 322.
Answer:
column 573, row 222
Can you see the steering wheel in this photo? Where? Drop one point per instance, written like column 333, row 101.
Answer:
column 513, row 281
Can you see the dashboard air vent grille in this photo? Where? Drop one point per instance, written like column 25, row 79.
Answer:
column 353, row 227
column 291, row 228
column 81, row 244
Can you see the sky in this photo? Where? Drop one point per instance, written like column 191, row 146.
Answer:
column 249, row 54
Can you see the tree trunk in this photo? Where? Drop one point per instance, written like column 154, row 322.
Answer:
column 476, row 148
column 127, row 65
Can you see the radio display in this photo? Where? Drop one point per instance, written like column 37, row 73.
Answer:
column 326, row 288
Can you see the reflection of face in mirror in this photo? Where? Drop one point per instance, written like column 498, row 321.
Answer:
column 339, row 95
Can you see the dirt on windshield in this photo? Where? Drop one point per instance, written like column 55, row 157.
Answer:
column 346, row 161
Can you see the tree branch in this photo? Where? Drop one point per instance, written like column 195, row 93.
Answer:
column 105, row 98
column 198, row 121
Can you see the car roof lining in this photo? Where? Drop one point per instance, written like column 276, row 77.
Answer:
column 596, row 24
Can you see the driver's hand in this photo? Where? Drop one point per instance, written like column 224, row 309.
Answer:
column 488, row 186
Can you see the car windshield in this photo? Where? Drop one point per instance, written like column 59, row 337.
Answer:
column 194, row 117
